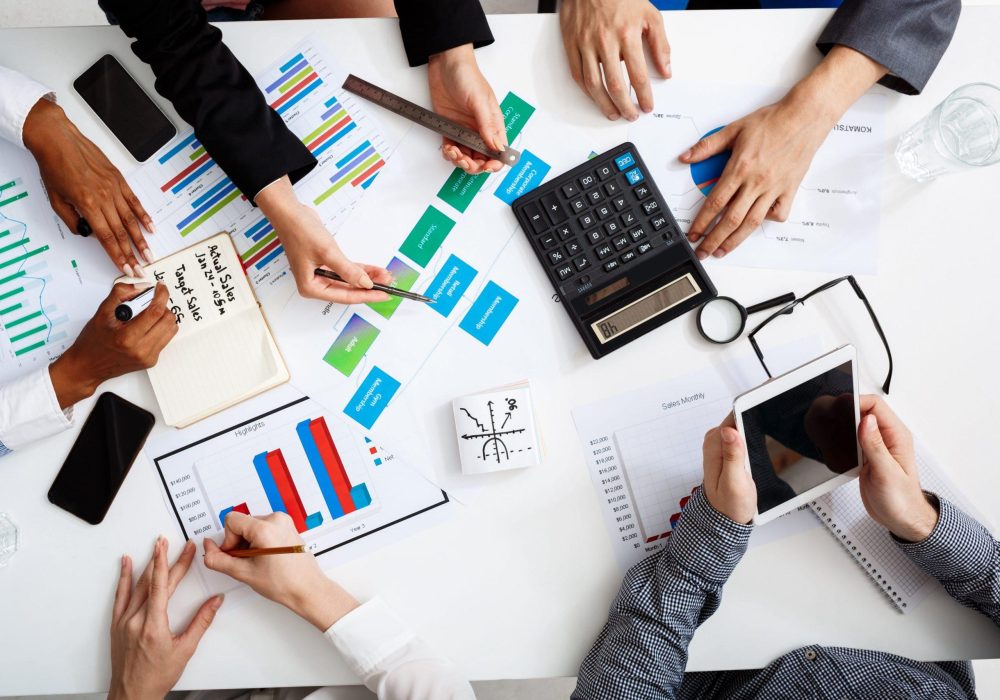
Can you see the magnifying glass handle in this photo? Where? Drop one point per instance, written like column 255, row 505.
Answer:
column 771, row 303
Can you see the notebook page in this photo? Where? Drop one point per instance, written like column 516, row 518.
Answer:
column 871, row 545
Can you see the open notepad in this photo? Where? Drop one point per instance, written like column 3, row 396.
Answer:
column 871, row 545
column 223, row 352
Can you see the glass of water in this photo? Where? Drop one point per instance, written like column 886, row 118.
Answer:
column 962, row 133
column 8, row 539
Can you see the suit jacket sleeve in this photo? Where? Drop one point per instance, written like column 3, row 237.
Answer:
column 432, row 26
column 906, row 36
column 212, row 91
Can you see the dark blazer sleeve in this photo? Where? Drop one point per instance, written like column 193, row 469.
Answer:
column 212, row 91
column 432, row 26
column 906, row 36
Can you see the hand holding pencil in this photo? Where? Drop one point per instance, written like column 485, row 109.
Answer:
column 292, row 579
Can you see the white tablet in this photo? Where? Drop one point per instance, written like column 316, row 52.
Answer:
column 801, row 432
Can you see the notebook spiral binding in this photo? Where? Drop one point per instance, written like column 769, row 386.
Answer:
column 861, row 560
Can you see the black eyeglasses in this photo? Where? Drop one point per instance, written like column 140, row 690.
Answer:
column 788, row 308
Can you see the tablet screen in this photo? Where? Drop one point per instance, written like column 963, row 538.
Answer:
column 802, row 437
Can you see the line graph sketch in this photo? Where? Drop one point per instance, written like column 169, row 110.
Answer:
column 496, row 430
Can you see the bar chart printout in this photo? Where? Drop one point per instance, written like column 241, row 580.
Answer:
column 282, row 453
column 50, row 280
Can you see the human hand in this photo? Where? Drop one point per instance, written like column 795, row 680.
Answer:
column 82, row 182
column 728, row 486
column 460, row 92
column 292, row 580
column 107, row 347
column 309, row 245
column 147, row 658
column 601, row 34
column 889, row 481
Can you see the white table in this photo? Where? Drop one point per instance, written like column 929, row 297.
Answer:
column 518, row 586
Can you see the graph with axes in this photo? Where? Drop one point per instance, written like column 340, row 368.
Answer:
column 496, row 430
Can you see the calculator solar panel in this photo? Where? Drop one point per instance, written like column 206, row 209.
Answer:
column 612, row 250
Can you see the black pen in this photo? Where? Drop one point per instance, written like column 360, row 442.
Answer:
column 380, row 287
column 136, row 305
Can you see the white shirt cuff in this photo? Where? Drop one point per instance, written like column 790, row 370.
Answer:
column 369, row 635
column 18, row 94
column 29, row 410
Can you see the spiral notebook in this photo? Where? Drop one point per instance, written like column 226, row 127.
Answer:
column 871, row 545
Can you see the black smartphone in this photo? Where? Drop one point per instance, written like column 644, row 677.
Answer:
column 101, row 458
column 125, row 108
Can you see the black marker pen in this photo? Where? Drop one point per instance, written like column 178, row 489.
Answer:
column 136, row 305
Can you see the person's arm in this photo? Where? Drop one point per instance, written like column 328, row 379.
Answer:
column 29, row 411
column 377, row 645
column 642, row 650
column 908, row 37
column 430, row 27
column 895, row 42
column 85, row 189
column 941, row 539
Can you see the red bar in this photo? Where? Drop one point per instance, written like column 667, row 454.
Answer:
column 242, row 508
column 286, row 487
column 262, row 252
column 334, row 466
column 185, row 172
column 367, row 174
column 328, row 133
column 284, row 98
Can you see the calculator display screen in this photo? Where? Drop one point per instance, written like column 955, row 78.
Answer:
column 641, row 310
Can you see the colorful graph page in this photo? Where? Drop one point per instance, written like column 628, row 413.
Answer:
column 283, row 453
column 190, row 198
column 51, row 281
column 441, row 232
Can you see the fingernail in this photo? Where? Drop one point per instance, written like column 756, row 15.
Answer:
column 719, row 252
column 647, row 109
column 147, row 255
column 670, row 70
column 633, row 117
column 139, row 272
column 217, row 601
column 614, row 116
column 693, row 237
column 365, row 281
column 150, row 226
column 127, row 269
column 700, row 254
column 686, row 154
column 728, row 437
column 124, row 561
column 872, row 422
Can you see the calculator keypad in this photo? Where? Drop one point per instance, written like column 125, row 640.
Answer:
column 600, row 222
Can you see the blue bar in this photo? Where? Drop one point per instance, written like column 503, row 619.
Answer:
column 208, row 195
column 330, row 101
column 176, row 149
column 360, row 496
column 267, row 481
column 286, row 74
column 314, row 520
column 336, row 137
column 488, row 313
column 291, row 62
column 450, row 283
column 255, row 228
column 263, row 232
column 223, row 513
column 208, row 205
column 288, row 105
column 356, row 151
column 350, row 166
column 319, row 469
column 372, row 397
column 193, row 176
column 327, row 113
column 367, row 183
column 195, row 145
column 269, row 257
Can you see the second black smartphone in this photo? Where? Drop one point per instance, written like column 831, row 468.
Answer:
column 101, row 458
column 125, row 108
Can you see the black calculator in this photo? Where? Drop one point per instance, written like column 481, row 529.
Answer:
column 612, row 249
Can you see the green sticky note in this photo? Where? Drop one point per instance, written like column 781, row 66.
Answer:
column 403, row 277
column 427, row 236
column 351, row 345
column 516, row 113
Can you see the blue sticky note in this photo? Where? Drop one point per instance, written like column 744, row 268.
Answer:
column 488, row 313
column 524, row 176
column 371, row 398
column 450, row 284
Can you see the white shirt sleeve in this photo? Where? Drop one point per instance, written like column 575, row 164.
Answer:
column 391, row 660
column 29, row 411
column 18, row 94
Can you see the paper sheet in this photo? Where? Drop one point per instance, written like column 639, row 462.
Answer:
column 834, row 221
column 495, row 430
column 346, row 491
column 644, row 450
column 51, row 281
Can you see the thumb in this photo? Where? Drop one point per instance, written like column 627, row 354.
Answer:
column 708, row 146
column 190, row 637
column 872, row 444
column 350, row 272
column 217, row 560
column 733, row 465
column 489, row 121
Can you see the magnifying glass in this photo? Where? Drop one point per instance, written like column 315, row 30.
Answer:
column 722, row 319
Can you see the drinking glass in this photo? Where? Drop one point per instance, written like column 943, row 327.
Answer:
column 8, row 539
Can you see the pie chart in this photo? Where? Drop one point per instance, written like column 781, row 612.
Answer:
column 706, row 173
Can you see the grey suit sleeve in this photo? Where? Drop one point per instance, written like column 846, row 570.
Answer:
column 906, row 36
